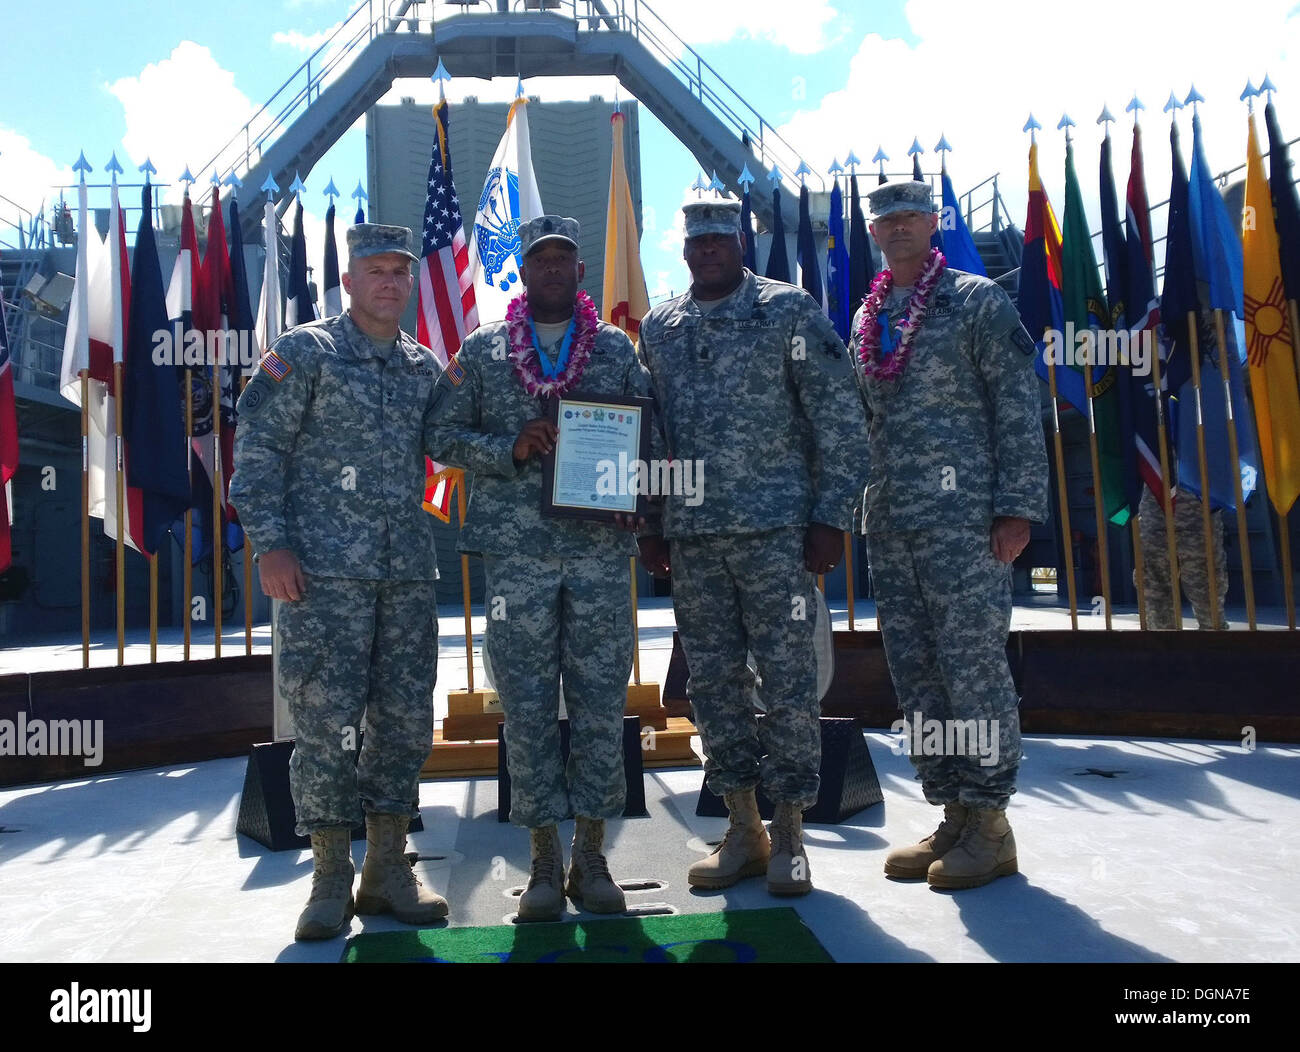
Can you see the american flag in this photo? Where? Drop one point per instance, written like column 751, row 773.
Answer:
column 446, row 306
column 446, row 312
column 8, row 440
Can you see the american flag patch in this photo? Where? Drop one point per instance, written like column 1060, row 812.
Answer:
column 455, row 373
column 276, row 366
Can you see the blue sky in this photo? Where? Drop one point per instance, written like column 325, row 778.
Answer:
column 174, row 81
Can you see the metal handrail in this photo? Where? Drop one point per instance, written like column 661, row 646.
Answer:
column 372, row 18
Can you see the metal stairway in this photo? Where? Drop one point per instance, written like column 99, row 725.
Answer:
column 379, row 43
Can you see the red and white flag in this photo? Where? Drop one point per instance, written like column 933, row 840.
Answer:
column 446, row 313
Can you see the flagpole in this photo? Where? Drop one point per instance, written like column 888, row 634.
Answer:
column 1139, row 568
column 248, row 571
column 218, row 532
column 1210, row 565
column 115, row 268
column 1288, row 585
column 82, row 352
column 1098, row 496
column 1243, row 535
column 848, row 577
column 1167, row 504
column 636, row 630
column 1063, row 498
column 148, row 169
column 85, row 499
column 464, row 589
column 1295, row 331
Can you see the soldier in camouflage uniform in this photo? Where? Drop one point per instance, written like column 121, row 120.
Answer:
column 558, row 600
column 1193, row 575
column 756, row 389
column 329, row 473
column 958, row 471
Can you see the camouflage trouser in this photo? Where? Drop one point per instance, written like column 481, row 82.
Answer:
column 750, row 592
column 351, row 648
column 944, row 607
column 553, row 618
column 1193, row 574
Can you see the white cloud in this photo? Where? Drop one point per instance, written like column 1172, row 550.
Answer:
column 805, row 29
column 26, row 175
column 180, row 112
column 304, row 41
column 975, row 79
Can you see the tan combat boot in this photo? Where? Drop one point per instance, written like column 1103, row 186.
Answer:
column 744, row 850
column 387, row 883
column 787, row 872
column 330, row 907
column 985, row 850
column 543, row 899
column 590, row 884
column 913, row 862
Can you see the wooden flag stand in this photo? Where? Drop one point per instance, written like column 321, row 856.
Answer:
column 467, row 742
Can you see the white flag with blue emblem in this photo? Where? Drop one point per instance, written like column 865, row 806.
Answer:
column 509, row 198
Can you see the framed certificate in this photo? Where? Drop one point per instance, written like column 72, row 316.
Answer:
column 593, row 470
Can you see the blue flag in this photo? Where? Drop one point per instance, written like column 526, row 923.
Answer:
column 838, row 304
column 298, row 307
column 1286, row 204
column 1216, row 240
column 153, row 415
column 747, row 228
column 1222, row 490
column 1184, row 288
column 778, row 263
column 1178, row 297
column 810, row 273
column 957, row 245
column 1128, row 385
column 861, row 265
column 332, row 300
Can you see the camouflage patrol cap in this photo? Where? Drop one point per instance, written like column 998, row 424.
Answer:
column 712, row 217
column 906, row 195
column 548, row 228
column 374, row 239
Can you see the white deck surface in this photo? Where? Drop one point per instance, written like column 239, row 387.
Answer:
column 1188, row 853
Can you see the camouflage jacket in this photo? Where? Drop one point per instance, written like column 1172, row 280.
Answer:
column 479, row 410
column 329, row 453
column 958, row 439
column 760, row 392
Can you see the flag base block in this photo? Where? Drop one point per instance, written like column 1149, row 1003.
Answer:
column 849, row 783
column 472, row 702
column 634, row 802
column 643, row 701
column 460, row 759
column 266, row 812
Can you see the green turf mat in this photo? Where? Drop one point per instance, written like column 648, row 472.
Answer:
column 734, row 936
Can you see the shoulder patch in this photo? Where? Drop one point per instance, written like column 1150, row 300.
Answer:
column 1022, row 340
column 455, row 373
column 275, row 366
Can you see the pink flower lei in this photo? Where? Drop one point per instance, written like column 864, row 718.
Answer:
column 524, row 354
column 873, row 362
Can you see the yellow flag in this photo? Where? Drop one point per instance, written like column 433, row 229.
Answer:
column 1269, row 338
column 624, row 301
